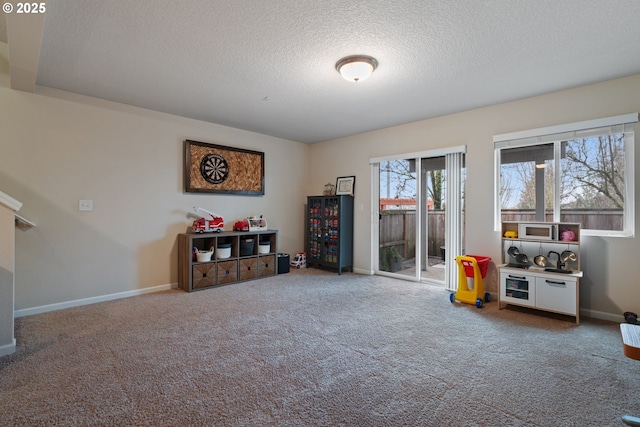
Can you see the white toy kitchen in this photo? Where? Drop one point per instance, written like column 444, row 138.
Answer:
column 541, row 266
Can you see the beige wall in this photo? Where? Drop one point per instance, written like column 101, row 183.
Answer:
column 57, row 148
column 610, row 285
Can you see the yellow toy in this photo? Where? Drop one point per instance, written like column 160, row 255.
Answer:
column 471, row 270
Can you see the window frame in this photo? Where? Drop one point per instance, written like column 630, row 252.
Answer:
column 624, row 124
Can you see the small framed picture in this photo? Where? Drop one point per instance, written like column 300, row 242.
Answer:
column 345, row 185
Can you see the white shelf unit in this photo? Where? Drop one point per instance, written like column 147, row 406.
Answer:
column 547, row 288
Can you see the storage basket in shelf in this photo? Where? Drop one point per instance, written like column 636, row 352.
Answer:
column 483, row 265
column 223, row 251
column 264, row 247
column 246, row 246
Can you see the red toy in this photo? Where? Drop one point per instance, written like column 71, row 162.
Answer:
column 202, row 225
column 241, row 225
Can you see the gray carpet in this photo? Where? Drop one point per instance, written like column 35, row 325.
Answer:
column 312, row 348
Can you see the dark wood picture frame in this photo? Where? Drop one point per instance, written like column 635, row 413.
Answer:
column 212, row 168
column 346, row 185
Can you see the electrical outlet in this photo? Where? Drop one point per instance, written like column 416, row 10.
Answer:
column 85, row 205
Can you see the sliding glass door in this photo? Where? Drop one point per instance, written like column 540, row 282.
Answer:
column 419, row 203
column 432, row 236
column 397, row 226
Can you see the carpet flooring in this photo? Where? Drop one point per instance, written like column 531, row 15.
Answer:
column 313, row 348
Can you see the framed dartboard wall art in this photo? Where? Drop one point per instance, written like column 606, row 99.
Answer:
column 211, row 168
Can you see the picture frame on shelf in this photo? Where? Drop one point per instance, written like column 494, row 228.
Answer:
column 345, row 185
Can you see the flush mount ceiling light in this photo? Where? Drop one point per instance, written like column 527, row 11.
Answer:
column 356, row 68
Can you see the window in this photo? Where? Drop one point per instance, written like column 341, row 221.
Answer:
column 579, row 172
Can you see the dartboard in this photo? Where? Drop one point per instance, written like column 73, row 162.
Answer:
column 214, row 168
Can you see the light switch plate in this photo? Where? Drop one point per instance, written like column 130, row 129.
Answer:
column 85, row 205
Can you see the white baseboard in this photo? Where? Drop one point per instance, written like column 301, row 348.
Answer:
column 617, row 318
column 362, row 271
column 8, row 348
column 92, row 300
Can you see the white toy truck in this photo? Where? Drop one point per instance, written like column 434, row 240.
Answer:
column 299, row 261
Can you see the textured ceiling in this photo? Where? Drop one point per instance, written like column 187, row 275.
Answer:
column 268, row 66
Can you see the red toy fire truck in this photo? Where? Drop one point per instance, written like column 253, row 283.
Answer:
column 241, row 225
column 203, row 225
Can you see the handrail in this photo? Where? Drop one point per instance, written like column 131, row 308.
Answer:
column 23, row 224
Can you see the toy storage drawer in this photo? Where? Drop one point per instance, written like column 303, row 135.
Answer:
column 556, row 294
column 203, row 275
column 266, row 265
column 248, row 268
column 227, row 272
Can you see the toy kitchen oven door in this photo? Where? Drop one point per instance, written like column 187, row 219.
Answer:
column 517, row 288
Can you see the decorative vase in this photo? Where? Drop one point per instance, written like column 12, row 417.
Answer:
column 329, row 189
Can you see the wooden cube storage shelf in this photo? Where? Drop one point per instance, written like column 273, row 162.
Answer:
column 246, row 262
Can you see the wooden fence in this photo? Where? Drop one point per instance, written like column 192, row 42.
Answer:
column 593, row 220
column 398, row 228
